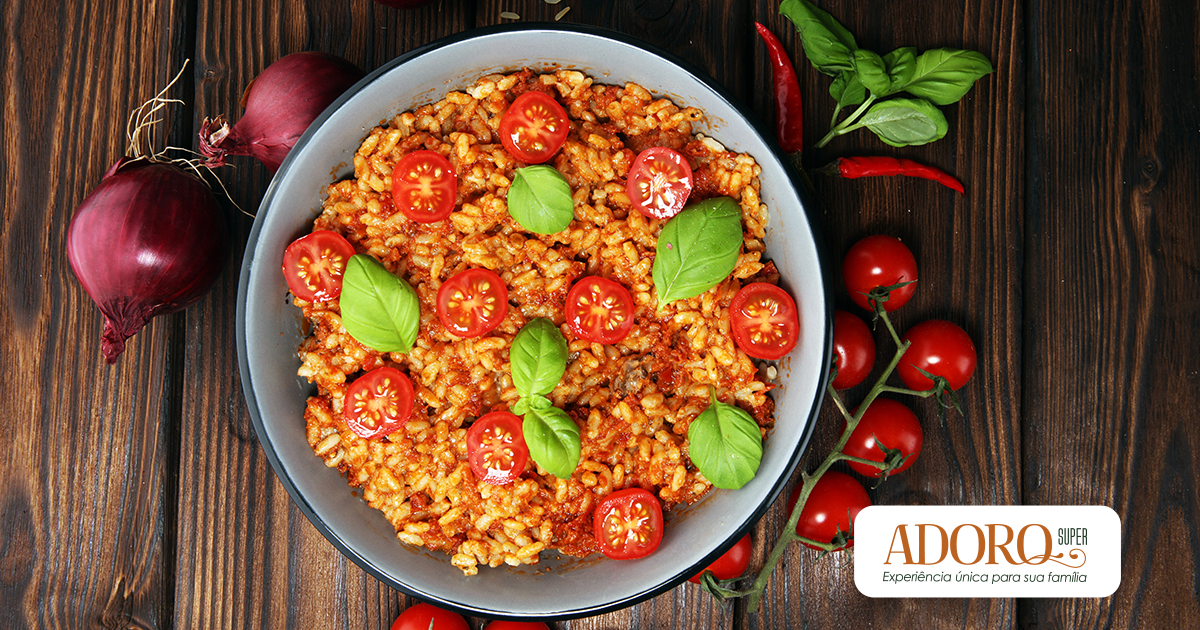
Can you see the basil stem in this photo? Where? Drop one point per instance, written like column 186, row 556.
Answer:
column 379, row 310
column 540, row 199
column 697, row 249
column 725, row 444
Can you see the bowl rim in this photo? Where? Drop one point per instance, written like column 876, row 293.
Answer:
column 807, row 207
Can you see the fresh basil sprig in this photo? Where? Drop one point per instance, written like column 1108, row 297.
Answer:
column 725, row 444
column 539, row 198
column 379, row 310
column 553, row 439
column 697, row 249
column 936, row 77
column 538, row 358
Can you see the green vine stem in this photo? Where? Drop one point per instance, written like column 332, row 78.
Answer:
column 721, row 588
column 846, row 126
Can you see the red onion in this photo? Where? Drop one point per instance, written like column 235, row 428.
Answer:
column 149, row 240
column 280, row 104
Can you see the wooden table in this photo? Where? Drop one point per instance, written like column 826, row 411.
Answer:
column 137, row 496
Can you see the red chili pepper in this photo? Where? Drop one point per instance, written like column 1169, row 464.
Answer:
column 789, row 113
column 854, row 167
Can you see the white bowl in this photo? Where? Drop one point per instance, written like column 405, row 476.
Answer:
column 269, row 328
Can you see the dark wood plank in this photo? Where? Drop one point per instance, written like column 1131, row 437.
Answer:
column 85, row 512
column 967, row 251
column 247, row 557
column 1111, row 296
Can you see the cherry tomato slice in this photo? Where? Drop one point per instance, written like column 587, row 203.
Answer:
column 885, row 423
column 831, row 506
column 764, row 321
column 429, row 617
column 313, row 265
column 659, row 183
column 496, row 448
column 731, row 564
column 378, row 402
column 599, row 310
column 940, row 348
column 472, row 302
column 854, row 347
column 628, row 524
column 534, row 127
column 424, row 186
column 880, row 261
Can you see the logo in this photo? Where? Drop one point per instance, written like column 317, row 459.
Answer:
column 987, row 551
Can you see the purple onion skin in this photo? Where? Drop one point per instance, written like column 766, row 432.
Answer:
column 280, row 104
column 149, row 240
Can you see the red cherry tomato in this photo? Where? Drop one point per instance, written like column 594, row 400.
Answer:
column 835, row 496
column 940, row 348
column 659, row 183
column 472, row 302
column 504, row 624
column 429, row 617
column 313, row 265
column 496, row 448
column 628, row 524
column 764, row 321
column 424, row 186
column 599, row 310
column 880, row 261
column 534, row 127
column 854, row 347
column 889, row 424
column 378, row 402
column 731, row 564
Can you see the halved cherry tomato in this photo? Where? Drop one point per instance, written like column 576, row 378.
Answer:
column 472, row 302
column 534, row 127
column 313, row 265
column 764, row 321
column 854, row 347
column 880, row 261
column 378, row 402
column 599, row 310
column 660, row 181
column 496, row 448
column 628, row 524
column 424, row 186
column 731, row 564
column 429, row 617
column 885, row 424
column 831, row 507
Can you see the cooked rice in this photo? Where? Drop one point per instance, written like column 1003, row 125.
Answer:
column 633, row 401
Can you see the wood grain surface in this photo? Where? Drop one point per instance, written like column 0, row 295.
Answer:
column 137, row 496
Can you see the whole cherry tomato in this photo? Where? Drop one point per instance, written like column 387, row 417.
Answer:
column 628, row 524
column 534, row 127
column 313, row 265
column 764, row 321
column 879, row 261
column 429, row 617
column 940, row 348
column 889, row 424
column 854, row 347
column 424, row 186
column 832, row 505
column 378, row 403
column 731, row 564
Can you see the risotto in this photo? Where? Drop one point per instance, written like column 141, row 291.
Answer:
column 632, row 401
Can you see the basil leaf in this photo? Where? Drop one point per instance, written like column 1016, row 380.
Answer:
column 379, row 310
column 872, row 72
column 725, row 444
column 525, row 404
column 827, row 44
column 553, row 439
column 901, row 66
column 945, row 75
column 538, row 358
column 903, row 122
column 540, row 199
column 846, row 89
column 697, row 249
